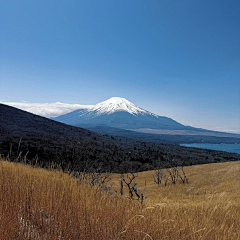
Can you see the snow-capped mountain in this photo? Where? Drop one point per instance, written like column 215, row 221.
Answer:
column 116, row 104
column 119, row 113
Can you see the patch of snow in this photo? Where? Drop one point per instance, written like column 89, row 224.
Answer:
column 116, row 104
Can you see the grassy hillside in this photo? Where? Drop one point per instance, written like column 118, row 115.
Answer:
column 43, row 204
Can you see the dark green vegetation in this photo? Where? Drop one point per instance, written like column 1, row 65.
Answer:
column 213, row 137
column 75, row 148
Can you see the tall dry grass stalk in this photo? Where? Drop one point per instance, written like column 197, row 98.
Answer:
column 41, row 204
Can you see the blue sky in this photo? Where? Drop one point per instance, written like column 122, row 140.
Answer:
column 179, row 59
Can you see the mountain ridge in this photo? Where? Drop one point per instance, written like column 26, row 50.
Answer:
column 118, row 113
column 25, row 123
column 121, row 113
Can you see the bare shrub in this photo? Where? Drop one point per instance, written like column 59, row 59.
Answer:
column 133, row 192
column 175, row 171
column 158, row 173
column 182, row 174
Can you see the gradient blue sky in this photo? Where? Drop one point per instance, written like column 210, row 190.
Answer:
column 179, row 59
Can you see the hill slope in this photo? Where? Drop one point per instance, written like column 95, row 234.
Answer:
column 23, row 123
column 73, row 147
column 40, row 204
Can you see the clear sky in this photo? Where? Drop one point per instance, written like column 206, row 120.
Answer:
column 179, row 59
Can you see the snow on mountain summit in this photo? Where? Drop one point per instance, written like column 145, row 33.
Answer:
column 116, row 104
column 118, row 112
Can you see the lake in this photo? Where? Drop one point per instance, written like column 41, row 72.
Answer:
column 234, row 148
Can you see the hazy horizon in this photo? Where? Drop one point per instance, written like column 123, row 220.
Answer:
column 50, row 110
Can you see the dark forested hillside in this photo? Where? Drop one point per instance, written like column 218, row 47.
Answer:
column 17, row 121
column 75, row 148
column 197, row 137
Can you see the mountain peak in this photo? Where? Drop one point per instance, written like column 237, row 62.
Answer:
column 118, row 112
column 116, row 104
column 115, row 100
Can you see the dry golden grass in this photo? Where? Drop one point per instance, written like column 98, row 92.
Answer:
column 207, row 207
column 40, row 204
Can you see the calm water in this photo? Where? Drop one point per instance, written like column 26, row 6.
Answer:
column 234, row 148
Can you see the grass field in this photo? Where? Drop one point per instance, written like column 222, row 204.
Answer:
column 43, row 204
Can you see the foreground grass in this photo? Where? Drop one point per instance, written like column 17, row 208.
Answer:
column 40, row 204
